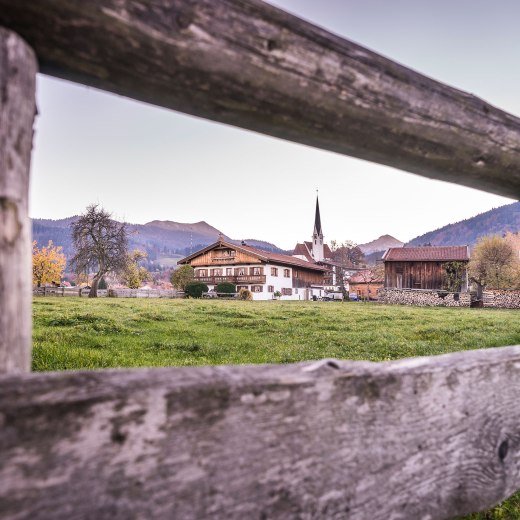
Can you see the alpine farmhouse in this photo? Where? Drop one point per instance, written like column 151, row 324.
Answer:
column 263, row 273
column 306, row 275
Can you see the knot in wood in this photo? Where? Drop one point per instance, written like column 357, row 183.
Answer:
column 10, row 225
column 502, row 450
column 184, row 20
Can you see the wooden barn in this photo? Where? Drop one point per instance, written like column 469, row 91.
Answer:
column 423, row 267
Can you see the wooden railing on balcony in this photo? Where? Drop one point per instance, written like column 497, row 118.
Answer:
column 421, row 438
column 246, row 278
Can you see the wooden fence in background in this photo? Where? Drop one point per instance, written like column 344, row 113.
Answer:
column 112, row 293
column 421, row 438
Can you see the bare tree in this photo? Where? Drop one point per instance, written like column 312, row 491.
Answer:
column 100, row 243
column 347, row 253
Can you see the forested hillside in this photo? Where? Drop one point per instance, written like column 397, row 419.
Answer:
column 163, row 241
column 494, row 222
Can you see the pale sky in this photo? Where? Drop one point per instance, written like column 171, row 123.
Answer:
column 144, row 163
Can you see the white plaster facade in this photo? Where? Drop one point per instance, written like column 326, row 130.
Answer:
column 278, row 282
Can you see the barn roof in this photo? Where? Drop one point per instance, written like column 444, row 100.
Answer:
column 427, row 254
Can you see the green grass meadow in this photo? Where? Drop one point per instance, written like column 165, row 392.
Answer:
column 73, row 333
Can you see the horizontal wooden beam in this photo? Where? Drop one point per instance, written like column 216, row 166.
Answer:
column 421, row 438
column 246, row 63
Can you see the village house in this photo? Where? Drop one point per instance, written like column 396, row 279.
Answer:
column 424, row 267
column 365, row 284
column 263, row 273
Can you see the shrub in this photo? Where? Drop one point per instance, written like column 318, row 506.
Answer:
column 245, row 294
column 226, row 287
column 102, row 284
column 195, row 289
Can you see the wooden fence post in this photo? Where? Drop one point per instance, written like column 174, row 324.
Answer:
column 18, row 69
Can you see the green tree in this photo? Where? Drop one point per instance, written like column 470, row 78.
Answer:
column 182, row 276
column 133, row 274
column 454, row 274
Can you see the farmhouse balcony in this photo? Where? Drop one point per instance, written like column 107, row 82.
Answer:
column 247, row 278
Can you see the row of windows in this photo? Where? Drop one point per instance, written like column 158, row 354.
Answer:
column 270, row 288
column 286, row 272
column 241, row 271
column 229, row 271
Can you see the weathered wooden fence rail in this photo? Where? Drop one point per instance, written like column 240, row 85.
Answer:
column 249, row 64
column 423, row 438
column 418, row 438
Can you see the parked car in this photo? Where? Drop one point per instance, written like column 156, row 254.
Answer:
column 353, row 297
column 333, row 297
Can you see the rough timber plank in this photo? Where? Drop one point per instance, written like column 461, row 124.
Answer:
column 18, row 69
column 246, row 63
column 420, row 438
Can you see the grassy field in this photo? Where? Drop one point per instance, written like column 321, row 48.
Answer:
column 85, row 334
column 81, row 333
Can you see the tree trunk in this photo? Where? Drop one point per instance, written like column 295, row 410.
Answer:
column 18, row 69
column 94, row 286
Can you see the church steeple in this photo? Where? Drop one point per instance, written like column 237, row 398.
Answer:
column 317, row 236
column 317, row 219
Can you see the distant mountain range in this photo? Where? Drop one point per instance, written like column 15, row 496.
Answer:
column 165, row 241
column 466, row 232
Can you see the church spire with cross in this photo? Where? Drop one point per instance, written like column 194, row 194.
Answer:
column 317, row 235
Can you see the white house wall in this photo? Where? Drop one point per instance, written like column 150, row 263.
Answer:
column 279, row 282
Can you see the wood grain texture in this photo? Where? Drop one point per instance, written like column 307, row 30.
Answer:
column 421, row 438
column 17, row 109
column 246, row 63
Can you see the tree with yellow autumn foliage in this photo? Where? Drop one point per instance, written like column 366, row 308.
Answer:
column 48, row 264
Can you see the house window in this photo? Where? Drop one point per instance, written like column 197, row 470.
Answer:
column 202, row 272
column 216, row 272
column 270, row 288
column 229, row 271
column 256, row 271
column 241, row 271
column 256, row 288
column 287, row 273
column 274, row 271
column 287, row 291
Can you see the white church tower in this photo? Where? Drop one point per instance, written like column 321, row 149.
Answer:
column 317, row 236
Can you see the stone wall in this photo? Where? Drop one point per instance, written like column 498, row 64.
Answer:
column 502, row 299
column 424, row 298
